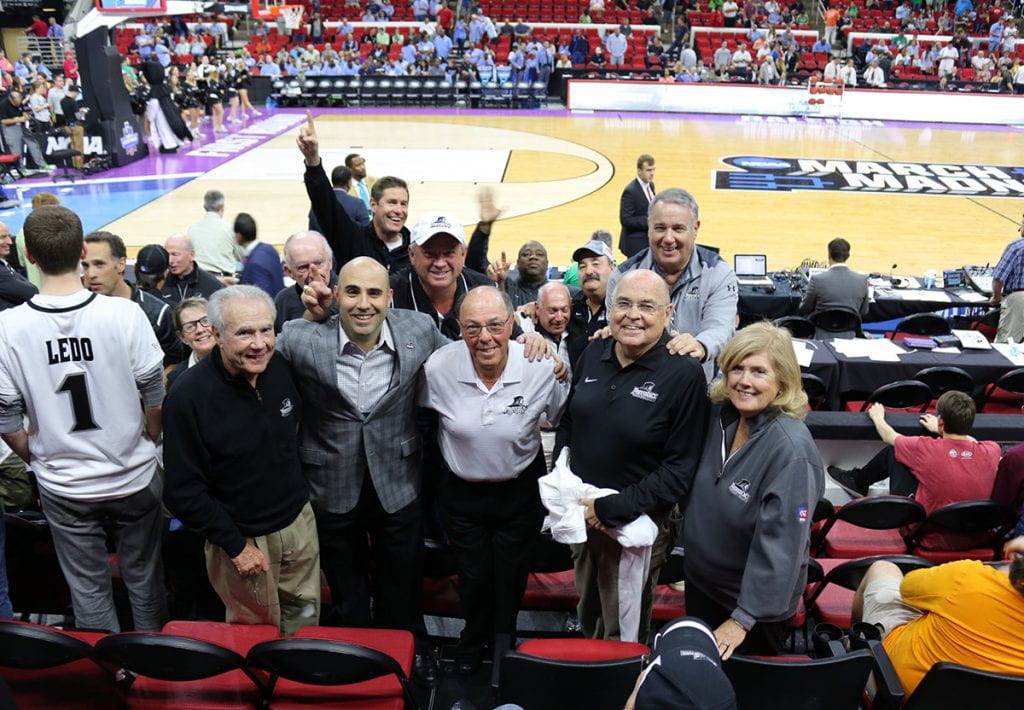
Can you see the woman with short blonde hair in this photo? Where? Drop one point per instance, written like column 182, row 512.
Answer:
column 748, row 523
column 777, row 344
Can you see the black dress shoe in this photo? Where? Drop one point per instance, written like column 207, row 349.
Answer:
column 424, row 669
column 168, row 150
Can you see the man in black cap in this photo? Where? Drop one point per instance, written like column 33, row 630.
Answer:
column 684, row 671
column 151, row 268
column 588, row 306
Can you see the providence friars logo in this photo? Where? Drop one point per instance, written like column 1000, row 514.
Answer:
column 516, row 406
column 645, row 392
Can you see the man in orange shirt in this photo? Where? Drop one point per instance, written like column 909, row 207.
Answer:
column 964, row 612
column 831, row 22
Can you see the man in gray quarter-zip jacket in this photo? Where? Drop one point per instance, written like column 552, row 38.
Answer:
column 703, row 287
column 747, row 527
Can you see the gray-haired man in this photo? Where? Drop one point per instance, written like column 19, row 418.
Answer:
column 233, row 473
column 703, row 286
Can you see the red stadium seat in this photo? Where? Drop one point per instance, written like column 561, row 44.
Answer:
column 869, row 526
column 48, row 668
column 361, row 669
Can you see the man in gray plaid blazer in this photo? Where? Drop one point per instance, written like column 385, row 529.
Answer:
column 360, row 447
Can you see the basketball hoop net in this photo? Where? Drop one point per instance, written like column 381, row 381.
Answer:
column 292, row 15
column 270, row 10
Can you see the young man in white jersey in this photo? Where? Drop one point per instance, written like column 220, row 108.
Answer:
column 72, row 368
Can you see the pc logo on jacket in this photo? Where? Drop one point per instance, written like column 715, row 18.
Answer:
column 645, row 392
column 286, row 406
column 740, row 489
column 517, row 406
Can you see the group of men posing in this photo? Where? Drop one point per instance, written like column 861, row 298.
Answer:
column 306, row 450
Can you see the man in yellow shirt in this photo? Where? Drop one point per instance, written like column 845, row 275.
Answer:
column 964, row 612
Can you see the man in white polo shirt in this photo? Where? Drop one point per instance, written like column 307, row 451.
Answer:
column 489, row 401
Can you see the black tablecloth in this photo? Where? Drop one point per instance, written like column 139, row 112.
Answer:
column 756, row 303
column 862, row 375
column 1004, row 428
column 825, row 366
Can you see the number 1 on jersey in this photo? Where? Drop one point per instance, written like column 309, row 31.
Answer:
column 81, row 408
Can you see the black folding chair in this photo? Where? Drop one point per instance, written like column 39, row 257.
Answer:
column 905, row 394
column 837, row 323
column 541, row 683
column 944, row 379
column 980, row 527
column 1011, row 383
column 166, row 657
column 890, row 513
column 949, row 686
column 809, row 684
column 815, row 389
column 324, row 662
column 798, row 326
column 922, row 324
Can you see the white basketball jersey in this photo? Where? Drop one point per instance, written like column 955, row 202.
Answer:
column 74, row 361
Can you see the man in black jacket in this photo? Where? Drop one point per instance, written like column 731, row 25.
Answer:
column 633, row 206
column 588, row 306
column 233, row 471
column 186, row 277
column 15, row 289
column 385, row 238
column 634, row 423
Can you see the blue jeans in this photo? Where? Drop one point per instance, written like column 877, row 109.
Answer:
column 5, row 600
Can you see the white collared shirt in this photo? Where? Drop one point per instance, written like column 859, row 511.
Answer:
column 646, row 187
column 490, row 435
column 365, row 377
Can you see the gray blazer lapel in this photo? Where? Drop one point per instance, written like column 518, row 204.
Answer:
column 406, row 348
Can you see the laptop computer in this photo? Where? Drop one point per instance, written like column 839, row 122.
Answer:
column 751, row 269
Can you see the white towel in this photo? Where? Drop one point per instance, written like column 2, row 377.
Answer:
column 561, row 492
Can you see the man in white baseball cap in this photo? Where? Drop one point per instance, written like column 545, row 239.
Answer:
column 437, row 276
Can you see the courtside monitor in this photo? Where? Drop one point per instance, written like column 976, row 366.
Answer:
column 953, row 278
column 127, row 6
column 750, row 265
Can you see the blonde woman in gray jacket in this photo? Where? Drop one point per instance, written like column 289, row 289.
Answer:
column 747, row 526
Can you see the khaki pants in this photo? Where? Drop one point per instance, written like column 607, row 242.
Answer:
column 77, row 135
column 288, row 596
column 15, row 485
column 597, row 578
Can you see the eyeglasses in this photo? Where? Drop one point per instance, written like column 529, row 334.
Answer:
column 472, row 330
column 193, row 325
column 648, row 308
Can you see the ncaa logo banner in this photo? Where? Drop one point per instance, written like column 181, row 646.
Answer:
column 764, row 173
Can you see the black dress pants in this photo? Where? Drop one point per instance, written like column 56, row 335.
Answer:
column 884, row 465
column 492, row 528
column 368, row 552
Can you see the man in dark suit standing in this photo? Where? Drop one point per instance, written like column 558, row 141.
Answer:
column 341, row 181
column 838, row 288
column 261, row 262
column 15, row 289
column 633, row 206
column 360, row 448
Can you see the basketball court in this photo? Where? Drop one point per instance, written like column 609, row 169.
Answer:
column 918, row 196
